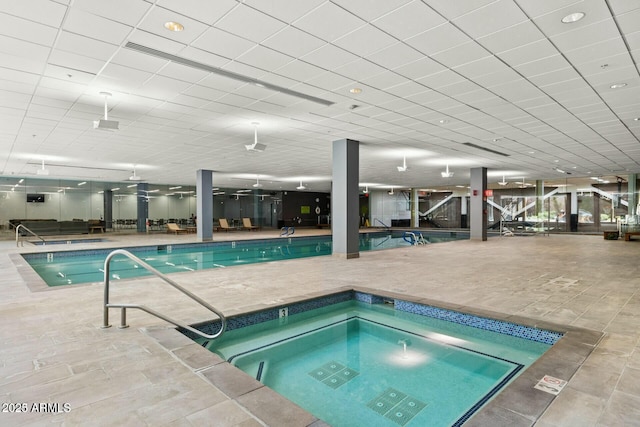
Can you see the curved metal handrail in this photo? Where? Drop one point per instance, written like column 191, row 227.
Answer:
column 123, row 321
column 18, row 235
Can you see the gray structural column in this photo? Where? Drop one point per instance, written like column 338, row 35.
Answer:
column 344, row 198
column 107, row 208
column 415, row 213
column 204, row 204
column 539, row 197
column 142, row 206
column 632, row 197
column 478, row 204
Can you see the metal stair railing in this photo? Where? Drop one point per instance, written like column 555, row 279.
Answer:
column 18, row 240
column 123, row 316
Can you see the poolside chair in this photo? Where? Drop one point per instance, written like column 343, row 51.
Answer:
column 246, row 225
column 224, row 224
column 172, row 227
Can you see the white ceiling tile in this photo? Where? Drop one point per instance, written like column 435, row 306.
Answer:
column 293, row 42
column 384, row 80
column 529, row 52
column 462, row 54
column 329, row 22
column 85, row 46
column 511, row 37
column 285, row 10
column 370, row 9
column 555, row 77
column 264, row 58
column 359, row 69
column 603, row 49
column 420, row 68
column 395, row 56
column 42, row 11
column 222, row 43
column 551, row 23
column 365, row 41
column 207, row 12
column 438, row 39
column 543, row 65
column 452, row 10
column 249, row 23
column 491, row 18
column 620, row 7
column 443, row 78
column 586, row 35
column 75, row 62
column 300, row 71
column 330, row 81
column 25, row 49
column 409, row 20
column 96, row 27
column 629, row 22
column 155, row 20
column 22, row 29
column 155, row 42
column 128, row 12
column 329, row 57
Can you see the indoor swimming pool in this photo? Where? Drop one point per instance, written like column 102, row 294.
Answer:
column 87, row 266
column 354, row 356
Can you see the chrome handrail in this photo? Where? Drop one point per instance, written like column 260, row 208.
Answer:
column 18, row 235
column 383, row 224
column 123, row 317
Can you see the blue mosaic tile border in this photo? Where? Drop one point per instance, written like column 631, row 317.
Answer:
column 499, row 326
column 502, row 327
column 270, row 314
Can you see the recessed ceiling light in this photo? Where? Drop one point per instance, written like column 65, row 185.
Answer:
column 573, row 17
column 355, row 90
column 637, row 119
column 443, row 121
column 173, row 26
column 618, row 85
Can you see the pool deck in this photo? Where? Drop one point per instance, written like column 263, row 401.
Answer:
column 53, row 349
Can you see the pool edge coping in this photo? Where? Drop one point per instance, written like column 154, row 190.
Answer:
column 519, row 402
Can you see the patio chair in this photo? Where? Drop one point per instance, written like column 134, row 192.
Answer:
column 172, row 227
column 246, row 225
column 224, row 225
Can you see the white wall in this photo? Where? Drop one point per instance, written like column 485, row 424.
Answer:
column 385, row 207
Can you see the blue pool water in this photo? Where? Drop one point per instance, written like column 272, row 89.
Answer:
column 358, row 364
column 74, row 267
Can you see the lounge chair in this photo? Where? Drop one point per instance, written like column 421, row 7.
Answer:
column 246, row 225
column 224, row 225
column 172, row 227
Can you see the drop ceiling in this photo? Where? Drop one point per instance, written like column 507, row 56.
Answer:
column 499, row 84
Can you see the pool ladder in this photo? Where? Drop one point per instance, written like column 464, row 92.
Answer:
column 19, row 241
column 123, row 314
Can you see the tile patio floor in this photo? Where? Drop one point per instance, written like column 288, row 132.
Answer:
column 53, row 350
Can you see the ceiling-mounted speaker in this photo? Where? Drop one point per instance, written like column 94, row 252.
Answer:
column 103, row 124
column 106, row 124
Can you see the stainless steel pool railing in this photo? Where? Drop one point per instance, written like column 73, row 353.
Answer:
column 18, row 240
column 123, row 315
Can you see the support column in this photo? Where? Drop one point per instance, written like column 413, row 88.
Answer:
column 344, row 199
column 478, row 202
column 415, row 213
column 204, row 204
column 573, row 215
column 107, row 209
column 142, row 207
column 463, row 212
column 539, row 198
column 632, row 191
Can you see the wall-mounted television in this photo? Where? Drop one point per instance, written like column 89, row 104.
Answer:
column 35, row 198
